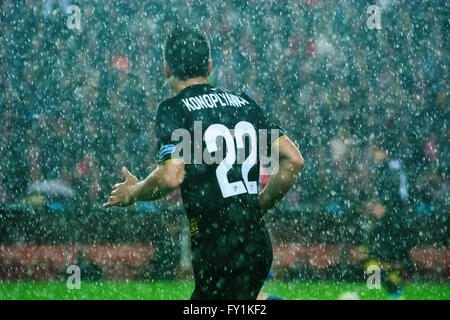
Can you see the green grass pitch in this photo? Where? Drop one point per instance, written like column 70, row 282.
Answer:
column 181, row 290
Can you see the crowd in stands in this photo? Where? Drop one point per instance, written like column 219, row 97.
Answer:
column 77, row 105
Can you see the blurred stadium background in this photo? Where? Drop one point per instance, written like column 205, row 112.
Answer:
column 76, row 105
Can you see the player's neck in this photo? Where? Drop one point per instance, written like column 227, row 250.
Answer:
column 178, row 85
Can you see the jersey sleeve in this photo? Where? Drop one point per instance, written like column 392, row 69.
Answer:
column 167, row 121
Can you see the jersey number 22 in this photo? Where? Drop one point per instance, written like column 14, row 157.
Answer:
column 241, row 129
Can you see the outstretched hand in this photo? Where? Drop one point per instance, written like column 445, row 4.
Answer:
column 122, row 194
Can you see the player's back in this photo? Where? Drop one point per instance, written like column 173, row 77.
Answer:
column 220, row 189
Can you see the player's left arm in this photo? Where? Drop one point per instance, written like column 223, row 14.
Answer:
column 167, row 177
column 290, row 165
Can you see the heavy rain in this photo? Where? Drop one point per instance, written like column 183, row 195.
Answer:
column 360, row 87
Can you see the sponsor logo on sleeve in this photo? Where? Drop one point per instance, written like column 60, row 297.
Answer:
column 167, row 149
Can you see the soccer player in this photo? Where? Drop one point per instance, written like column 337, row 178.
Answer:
column 231, row 248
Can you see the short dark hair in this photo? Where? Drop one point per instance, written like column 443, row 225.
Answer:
column 187, row 53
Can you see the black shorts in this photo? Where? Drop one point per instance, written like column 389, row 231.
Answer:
column 242, row 284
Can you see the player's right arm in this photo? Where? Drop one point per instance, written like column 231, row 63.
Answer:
column 290, row 165
column 167, row 177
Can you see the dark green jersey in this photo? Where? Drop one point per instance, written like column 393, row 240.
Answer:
column 222, row 145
